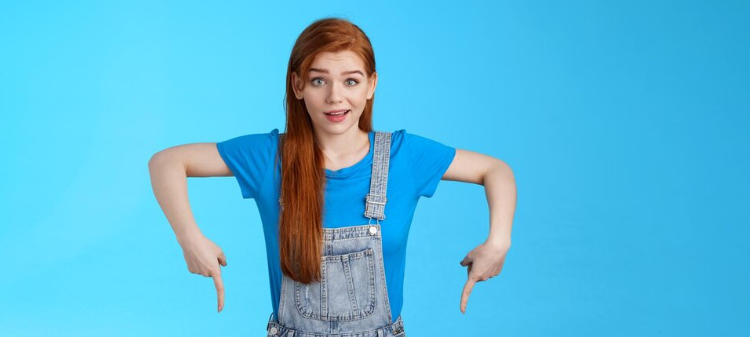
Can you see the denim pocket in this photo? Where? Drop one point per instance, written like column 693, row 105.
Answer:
column 346, row 291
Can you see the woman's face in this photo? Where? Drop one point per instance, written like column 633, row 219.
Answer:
column 336, row 81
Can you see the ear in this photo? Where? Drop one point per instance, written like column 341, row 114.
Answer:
column 371, row 84
column 297, row 85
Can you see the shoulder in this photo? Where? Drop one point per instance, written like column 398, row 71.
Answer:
column 413, row 141
column 251, row 141
column 249, row 145
column 250, row 158
column 397, row 136
column 427, row 160
column 270, row 136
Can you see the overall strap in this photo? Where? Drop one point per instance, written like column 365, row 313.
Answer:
column 375, row 200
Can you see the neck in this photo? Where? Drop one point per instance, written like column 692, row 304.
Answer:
column 350, row 141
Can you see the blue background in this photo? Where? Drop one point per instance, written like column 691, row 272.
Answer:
column 626, row 124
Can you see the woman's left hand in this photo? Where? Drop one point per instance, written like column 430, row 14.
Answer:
column 484, row 262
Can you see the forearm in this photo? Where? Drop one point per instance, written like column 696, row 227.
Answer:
column 500, row 189
column 169, row 182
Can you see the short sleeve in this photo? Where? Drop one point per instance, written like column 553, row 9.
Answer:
column 250, row 158
column 428, row 160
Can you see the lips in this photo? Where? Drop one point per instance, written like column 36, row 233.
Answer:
column 335, row 111
column 337, row 116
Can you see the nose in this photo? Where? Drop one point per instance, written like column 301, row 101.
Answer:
column 334, row 95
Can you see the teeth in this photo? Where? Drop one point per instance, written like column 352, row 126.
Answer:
column 337, row 113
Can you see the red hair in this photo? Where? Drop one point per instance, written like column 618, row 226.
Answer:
column 303, row 165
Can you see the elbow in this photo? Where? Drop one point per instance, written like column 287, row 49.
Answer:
column 506, row 168
column 164, row 158
column 157, row 160
column 499, row 168
column 508, row 171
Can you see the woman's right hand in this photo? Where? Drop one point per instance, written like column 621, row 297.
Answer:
column 205, row 258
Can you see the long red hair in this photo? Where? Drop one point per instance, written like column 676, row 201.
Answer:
column 303, row 165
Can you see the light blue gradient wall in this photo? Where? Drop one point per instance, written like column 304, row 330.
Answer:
column 626, row 124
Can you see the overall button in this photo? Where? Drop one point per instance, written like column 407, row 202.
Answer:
column 273, row 330
column 373, row 230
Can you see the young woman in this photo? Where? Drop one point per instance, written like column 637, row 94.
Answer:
column 336, row 262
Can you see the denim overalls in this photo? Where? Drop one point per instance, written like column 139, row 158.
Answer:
column 352, row 298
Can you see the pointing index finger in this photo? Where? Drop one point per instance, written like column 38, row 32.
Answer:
column 219, row 289
column 465, row 295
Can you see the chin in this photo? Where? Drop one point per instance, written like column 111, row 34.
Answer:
column 338, row 128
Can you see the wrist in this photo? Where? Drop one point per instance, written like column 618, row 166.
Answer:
column 188, row 237
column 499, row 242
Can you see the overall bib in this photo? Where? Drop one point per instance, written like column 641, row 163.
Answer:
column 351, row 300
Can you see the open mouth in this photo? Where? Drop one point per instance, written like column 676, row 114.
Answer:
column 336, row 114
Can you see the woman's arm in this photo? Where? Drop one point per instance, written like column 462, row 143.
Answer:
column 499, row 185
column 486, row 260
column 169, row 170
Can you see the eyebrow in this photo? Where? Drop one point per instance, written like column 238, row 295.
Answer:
column 342, row 73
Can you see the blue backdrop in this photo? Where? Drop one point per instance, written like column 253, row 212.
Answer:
column 626, row 124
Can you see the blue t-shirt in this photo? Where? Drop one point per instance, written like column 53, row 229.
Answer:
column 416, row 166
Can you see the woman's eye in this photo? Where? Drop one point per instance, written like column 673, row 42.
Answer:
column 350, row 82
